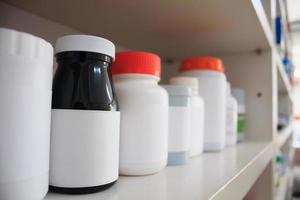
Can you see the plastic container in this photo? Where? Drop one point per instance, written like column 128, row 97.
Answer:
column 25, row 104
column 144, row 113
column 197, row 114
column 231, row 118
column 212, row 88
column 239, row 95
column 179, row 124
column 85, row 117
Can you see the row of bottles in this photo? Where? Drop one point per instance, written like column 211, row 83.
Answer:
column 109, row 114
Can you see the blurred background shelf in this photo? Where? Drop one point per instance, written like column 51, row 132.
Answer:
column 284, row 84
column 283, row 135
column 281, row 192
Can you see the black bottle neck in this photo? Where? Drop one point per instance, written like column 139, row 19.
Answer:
column 81, row 56
column 83, row 81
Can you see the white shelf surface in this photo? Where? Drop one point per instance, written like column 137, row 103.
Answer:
column 224, row 175
column 283, row 135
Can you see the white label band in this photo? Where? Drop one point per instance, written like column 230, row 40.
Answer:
column 84, row 147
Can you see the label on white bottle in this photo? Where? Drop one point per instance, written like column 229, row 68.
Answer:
column 84, row 147
column 179, row 129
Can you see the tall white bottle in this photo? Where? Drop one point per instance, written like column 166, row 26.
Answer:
column 212, row 88
column 25, row 104
column 144, row 109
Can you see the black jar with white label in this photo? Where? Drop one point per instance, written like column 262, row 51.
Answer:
column 85, row 117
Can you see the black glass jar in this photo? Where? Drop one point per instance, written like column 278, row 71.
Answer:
column 85, row 117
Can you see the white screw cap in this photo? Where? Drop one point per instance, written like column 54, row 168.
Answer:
column 86, row 43
column 186, row 81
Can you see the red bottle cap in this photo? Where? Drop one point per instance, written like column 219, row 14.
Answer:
column 202, row 63
column 136, row 62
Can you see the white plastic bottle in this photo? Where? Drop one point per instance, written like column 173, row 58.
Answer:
column 231, row 118
column 197, row 114
column 25, row 104
column 212, row 88
column 144, row 113
column 239, row 95
column 179, row 123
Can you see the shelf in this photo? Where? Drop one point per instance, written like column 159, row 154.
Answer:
column 225, row 175
column 283, row 135
column 284, row 83
column 262, row 16
column 173, row 29
column 281, row 192
column 284, row 86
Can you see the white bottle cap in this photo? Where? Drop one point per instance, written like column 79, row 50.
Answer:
column 25, row 45
column 86, row 43
column 186, row 81
column 25, row 59
column 178, row 90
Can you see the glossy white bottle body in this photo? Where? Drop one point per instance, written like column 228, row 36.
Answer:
column 25, row 104
column 144, row 123
column 212, row 88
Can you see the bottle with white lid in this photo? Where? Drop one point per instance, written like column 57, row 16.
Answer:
column 179, row 123
column 144, row 113
column 197, row 113
column 212, row 88
column 239, row 95
column 25, row 104
column 231, row 118
column 85, row 117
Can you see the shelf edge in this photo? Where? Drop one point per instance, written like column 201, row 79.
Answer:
column 283, row 75
column 283, row 135
column 249, row 174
